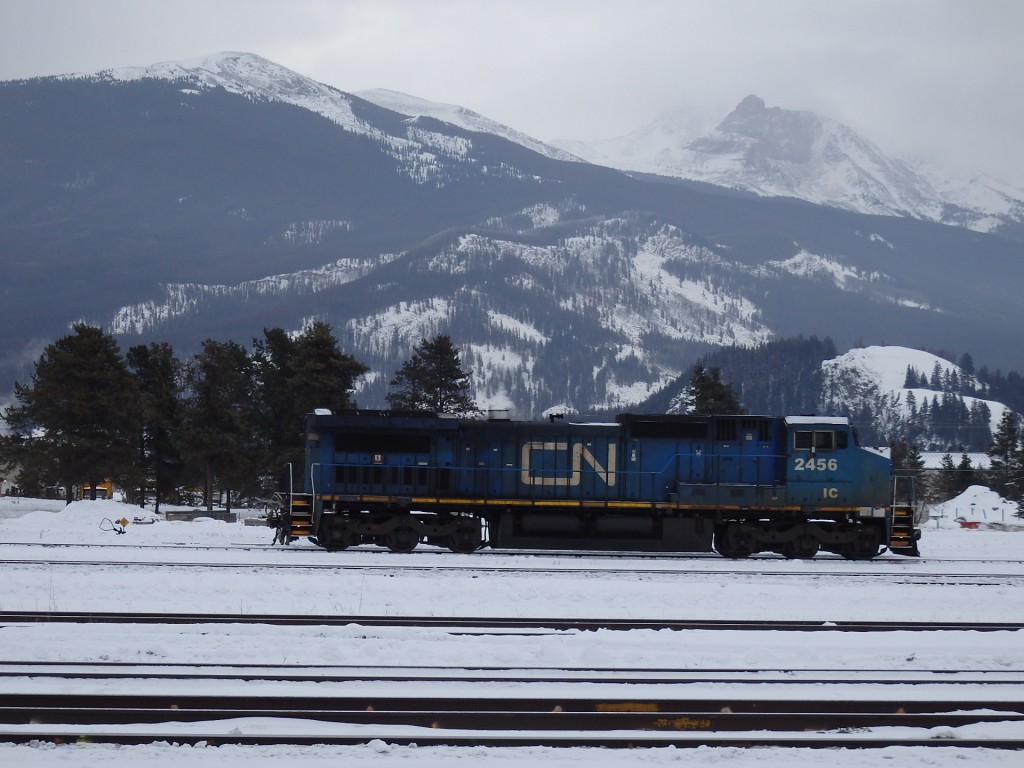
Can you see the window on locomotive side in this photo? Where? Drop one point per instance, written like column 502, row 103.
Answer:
column 819, row 441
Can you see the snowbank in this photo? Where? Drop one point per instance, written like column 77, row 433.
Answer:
column 977, row 508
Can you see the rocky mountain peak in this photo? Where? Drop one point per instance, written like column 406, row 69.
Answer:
column 751, row 105
column 773, row 151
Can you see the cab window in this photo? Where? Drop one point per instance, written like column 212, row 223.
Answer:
column 819, row 440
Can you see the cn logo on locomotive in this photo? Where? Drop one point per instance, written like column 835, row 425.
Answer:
column 580, row 454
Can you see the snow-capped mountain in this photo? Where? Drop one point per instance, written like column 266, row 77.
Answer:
column 768, row 151
column 219, row 197
column 778, row 152
column 420, row 152
column 253, row 76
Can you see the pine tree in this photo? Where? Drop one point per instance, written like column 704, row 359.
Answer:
column 295, row 376
column 323, row 376
column 964, row 474
column 966, row 364
column 219, row 427
column 76, row 422
column 433, row 380
column 1006, row 458
column 158, row 375
column 710, row 395
column 278, row 418
column 946, row 483
column 907, row 462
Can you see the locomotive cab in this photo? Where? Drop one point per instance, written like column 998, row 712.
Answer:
column 825, row 467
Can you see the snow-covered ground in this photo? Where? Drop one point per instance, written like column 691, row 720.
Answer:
column 210, row 566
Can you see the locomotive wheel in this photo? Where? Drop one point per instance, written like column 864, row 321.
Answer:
column 801, row 548
column 465, row 540
column 402, row 540
column 864, row 545
column 337, row 539
column 731, row 542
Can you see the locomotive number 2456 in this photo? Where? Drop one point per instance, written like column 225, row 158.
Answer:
column 816, row 465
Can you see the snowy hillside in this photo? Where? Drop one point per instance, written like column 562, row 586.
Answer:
column 632, row 289
column 872, row 380
column 460, row 117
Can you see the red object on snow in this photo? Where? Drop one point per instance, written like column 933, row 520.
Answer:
column 967, row 523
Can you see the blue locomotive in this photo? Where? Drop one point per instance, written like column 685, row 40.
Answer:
column 735, row 485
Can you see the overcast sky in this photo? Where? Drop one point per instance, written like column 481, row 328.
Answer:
column 928, row 76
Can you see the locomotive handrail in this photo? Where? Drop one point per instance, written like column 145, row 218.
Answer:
column 312, row 483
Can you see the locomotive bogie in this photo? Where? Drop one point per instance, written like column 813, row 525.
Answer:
column 736, row 485
column 399, row 531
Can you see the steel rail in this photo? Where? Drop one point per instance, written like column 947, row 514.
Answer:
column 933, row 579
column 498, row 623
column 341, row 673
column 714, row 713
column 434, row 737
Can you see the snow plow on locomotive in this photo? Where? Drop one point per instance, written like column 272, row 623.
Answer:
column 736, row 485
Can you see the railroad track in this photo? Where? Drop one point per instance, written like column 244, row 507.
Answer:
column 507, row 721
column 430, row 553
column 345, row 673
column 441, row 675
column 462, row 566
column 484, row 624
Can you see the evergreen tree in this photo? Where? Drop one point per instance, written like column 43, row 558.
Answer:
column 295, row 376
column 1006, row 458
column 710, row 395
column 77, row 421
column 278, row 418
column 433, row 380
column 907, row 461
column 158, row 375
column 946, row 483
column 964, row 474
column 910, row 379
column 323, row 376
column 966, row 364
column 219, row 427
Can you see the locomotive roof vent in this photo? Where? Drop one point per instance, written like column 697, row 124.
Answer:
column 499, row 414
